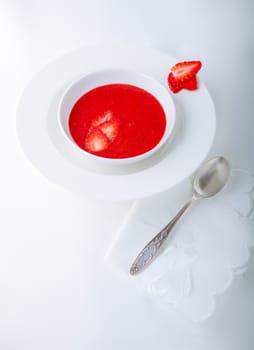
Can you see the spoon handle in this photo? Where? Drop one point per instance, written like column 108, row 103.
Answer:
column 151, row 250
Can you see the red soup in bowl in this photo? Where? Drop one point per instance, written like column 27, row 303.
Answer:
column 117, row 121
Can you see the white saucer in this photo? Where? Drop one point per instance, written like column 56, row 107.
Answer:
column 48, row 150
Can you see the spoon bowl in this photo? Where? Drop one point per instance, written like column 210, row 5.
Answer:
column 211, row 177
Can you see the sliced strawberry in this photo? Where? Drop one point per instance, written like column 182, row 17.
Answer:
column 102, row 118
column 174, row 84
column 183, row 76
column 191, row 84
column 96, row 141
column 110, row 129
column 184, row 71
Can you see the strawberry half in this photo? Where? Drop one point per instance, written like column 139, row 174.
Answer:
column 110, row 129
column 96, row 141
column 174, row 84
column 184, row 71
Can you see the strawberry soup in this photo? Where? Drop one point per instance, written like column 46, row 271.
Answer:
column 117, row 121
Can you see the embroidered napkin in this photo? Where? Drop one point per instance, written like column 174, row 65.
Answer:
column 204, row 252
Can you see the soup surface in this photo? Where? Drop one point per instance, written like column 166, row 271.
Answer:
column 117, row 121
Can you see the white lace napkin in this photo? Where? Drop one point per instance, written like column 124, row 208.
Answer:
column 206, row 249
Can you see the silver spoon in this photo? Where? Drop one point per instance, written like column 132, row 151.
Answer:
column 208, row 181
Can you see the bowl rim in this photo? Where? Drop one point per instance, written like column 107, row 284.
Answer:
column 168, row 132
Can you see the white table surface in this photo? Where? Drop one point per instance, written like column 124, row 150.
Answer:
column 55, row 292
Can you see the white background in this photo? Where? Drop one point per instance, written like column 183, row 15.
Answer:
column 55, row 292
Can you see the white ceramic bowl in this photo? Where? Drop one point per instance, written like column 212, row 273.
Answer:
column 115, row 76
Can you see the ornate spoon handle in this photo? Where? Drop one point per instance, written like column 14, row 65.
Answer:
column 151, row 250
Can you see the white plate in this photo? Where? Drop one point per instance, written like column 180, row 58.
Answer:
column 48, row 150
